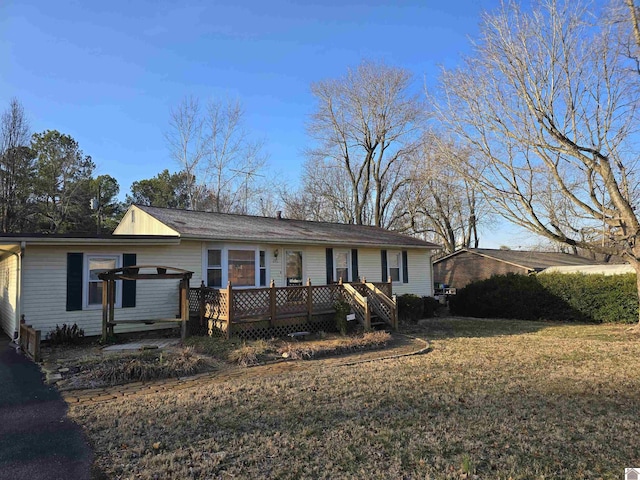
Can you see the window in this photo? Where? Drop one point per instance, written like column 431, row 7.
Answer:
column 294, row 267
column 214, row 268
column 242, row 268
column 395, row 264
column 342, row 265
column 97, row 264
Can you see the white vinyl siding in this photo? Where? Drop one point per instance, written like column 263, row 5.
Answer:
column 8, row 288
column 419, row 269
column 45, row 286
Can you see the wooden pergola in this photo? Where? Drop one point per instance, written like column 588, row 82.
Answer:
column 142, row 272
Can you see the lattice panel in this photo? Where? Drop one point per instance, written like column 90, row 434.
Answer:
column 325, row 296
column 379, row 307
column 250, row 303
column 361, row 288
column 217, row 328
column 385, row 288
column 291, row 300
column 194, row 301
column 249, row 333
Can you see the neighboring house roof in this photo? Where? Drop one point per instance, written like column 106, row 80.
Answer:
column 534, row 261
column 231, row 227
column 616, row 269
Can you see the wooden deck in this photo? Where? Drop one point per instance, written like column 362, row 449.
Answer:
column 254, row 312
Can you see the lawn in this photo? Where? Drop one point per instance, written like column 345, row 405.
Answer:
column 492, row 399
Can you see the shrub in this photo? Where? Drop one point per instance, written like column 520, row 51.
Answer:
column 410, row 307
column 563, row 297
column 66, row 335
column 429, row 306
column 342, row 310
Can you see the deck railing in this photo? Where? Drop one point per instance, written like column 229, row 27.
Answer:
column 223, row 308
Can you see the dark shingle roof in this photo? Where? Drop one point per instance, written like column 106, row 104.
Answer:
column 531, row 260
column 230, row 227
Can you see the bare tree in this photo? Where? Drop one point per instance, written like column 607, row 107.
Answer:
column 16, row 168
column 186, row 142
column 221, row 160
column 441, row 203
column 234, row 159
column 549, row 102
column 366, row 126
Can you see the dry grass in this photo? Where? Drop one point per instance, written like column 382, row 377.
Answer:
column 253, row 353
column 117, row 369
column 493, row 399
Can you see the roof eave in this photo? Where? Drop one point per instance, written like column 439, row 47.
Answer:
column 115, row 240
column 288, row 241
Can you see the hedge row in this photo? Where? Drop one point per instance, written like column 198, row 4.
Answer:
column 563, row 297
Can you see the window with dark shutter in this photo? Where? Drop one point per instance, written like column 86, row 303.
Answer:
column 74, row 281
column 329, row 261
column 128, row 286
column 354, row 265
column 405, row 267
column 383, row 261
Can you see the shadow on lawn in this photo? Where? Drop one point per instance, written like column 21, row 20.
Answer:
column 452, row 327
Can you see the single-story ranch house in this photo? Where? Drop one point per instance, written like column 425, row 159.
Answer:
column 468, row 265
column 53, row 279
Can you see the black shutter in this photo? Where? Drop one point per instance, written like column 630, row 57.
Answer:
column 383, row 261
column 405, row 267
column 75, row 265
column 354, row 265
column 128, row 286
column 329, row 266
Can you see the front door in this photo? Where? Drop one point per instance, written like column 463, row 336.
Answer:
column 294, row 267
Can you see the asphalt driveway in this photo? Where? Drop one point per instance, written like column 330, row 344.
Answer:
column 37, row 440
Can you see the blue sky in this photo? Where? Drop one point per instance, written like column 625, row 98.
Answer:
column 108, row 73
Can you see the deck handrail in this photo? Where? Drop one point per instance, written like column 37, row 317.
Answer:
column 360, row 303
column 391, row 304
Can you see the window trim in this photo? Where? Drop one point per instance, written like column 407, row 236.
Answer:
column 224, row 262
column 86, row 280
column 390, row 253
column 336, row 251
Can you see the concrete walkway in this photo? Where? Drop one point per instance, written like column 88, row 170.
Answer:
column 37, row 440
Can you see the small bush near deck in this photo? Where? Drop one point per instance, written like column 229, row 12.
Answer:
column 342, row 310
column 66, row 335
column 429, row 307
column 410, row 307
column 563, row 297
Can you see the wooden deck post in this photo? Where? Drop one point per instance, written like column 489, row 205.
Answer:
column 394, row 313
column 201, row 302
column 367, row 314
column 309, row 300
column 105, row 310
column 272, row 302
column 184, row 304
column 112, row 304
column 230, row 310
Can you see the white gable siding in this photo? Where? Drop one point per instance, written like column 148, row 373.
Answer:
column 8, row 289
column 137, row 222
column 45, row 286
